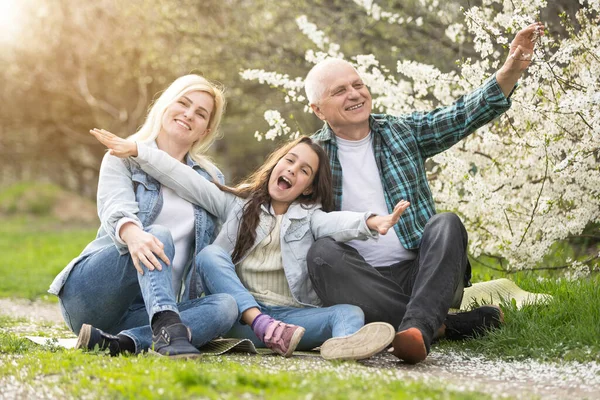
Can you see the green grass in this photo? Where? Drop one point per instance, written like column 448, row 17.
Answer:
column 96, row 375
column 33, row 250
column 29, row 197
column 567, row 328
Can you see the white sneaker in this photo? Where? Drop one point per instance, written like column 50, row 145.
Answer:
column 366, row 342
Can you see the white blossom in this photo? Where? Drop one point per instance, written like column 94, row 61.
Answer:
column 528, row 179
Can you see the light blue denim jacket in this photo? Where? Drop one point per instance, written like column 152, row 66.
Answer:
column 126, row 191
column 300, row 227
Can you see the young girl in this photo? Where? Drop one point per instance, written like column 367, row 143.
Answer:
column 270, row 222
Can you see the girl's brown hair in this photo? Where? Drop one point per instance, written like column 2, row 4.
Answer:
column 256, row 189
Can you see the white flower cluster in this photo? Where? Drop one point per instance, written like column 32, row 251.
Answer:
column 278, row 127
column 528, row 179
column 378, row 14
column 578, row 270
column 328, row 48
column 531, row 178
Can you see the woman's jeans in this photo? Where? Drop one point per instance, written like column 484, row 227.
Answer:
column 218, row 271
column 106, row 291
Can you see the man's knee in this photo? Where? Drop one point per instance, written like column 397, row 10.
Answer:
column 447, row 223
column 322, row 251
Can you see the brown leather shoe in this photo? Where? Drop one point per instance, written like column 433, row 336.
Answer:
column 409, row 346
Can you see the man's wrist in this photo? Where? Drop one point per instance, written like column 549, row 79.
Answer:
column 507, row 78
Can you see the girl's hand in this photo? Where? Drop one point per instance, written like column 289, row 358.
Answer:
column 143, row 248
column 382, row 223
column 117, row 146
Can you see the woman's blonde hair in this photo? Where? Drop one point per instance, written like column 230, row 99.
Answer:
column 182, row 85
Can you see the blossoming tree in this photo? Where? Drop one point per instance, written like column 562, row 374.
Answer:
column 529, row 179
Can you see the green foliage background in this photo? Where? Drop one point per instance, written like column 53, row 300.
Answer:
column 79, row 65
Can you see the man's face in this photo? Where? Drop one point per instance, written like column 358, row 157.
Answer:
column 346, row 101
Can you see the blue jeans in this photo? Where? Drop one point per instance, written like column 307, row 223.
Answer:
column 218, row 271
column 105, row 291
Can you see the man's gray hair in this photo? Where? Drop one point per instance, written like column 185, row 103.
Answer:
column 314, row 84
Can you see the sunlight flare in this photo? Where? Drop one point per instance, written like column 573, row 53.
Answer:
column 11, row 20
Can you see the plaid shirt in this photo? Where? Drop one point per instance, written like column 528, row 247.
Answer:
column 402, row 144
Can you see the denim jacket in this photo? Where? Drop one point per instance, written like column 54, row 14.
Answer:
column 126, row 191
column 300, row 227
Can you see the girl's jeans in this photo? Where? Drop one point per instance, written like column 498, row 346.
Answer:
column 218, row 271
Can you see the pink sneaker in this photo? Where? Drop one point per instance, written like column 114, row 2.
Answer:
column 283, row 338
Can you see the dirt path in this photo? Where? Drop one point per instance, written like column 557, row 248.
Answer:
column 36, row 311
column 460, row 372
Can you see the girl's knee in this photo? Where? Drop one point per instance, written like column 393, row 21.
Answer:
column 209, row 253
column 228, row 309
column 228, row 304
column 211, row 258
column 351, row 313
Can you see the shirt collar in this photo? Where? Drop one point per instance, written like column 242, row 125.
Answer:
column 327, row 134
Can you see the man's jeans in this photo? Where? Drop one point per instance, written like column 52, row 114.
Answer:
column 416, row 293
column 218, row 271
column 106, row 291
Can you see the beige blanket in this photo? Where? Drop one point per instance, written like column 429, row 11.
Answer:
column 499, row 290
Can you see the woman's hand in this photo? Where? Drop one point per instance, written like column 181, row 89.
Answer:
column 143, row 247
column 383, row 223
column 117, row 146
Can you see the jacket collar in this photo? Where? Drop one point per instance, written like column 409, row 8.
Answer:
column 295, row 211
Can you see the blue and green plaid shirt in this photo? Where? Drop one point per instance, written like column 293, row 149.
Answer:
column 402, row 144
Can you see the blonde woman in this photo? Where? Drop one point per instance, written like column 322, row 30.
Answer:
column 136, row 279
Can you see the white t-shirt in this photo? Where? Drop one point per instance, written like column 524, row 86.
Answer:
column 363, row 191
column 177, row 215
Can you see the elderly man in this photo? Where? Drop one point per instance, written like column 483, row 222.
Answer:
column 414, row 274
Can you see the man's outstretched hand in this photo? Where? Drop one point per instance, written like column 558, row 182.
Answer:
column 519, row 56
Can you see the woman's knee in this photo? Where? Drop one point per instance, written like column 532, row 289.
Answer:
column 163, row 234
column 347, row 319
